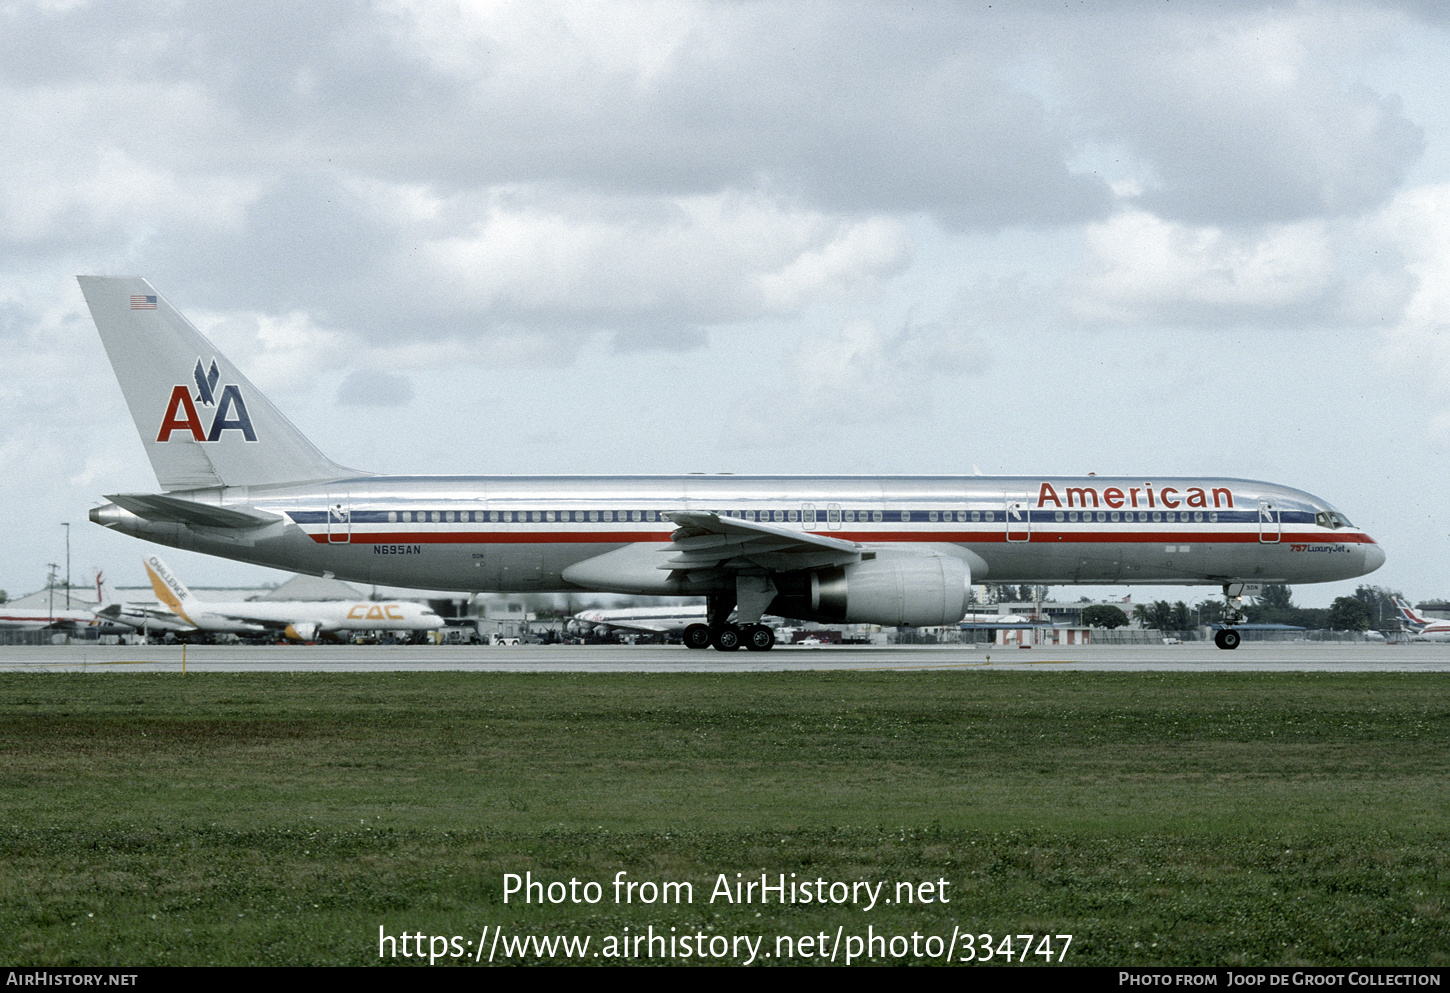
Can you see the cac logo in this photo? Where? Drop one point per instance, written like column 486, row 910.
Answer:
column 230, row 414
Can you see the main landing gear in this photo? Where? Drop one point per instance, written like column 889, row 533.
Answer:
column 724, row 636
column 729, row 638
column 1226, row 637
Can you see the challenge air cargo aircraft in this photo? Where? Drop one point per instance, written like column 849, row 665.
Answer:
column 241, row 482
column 299, row 620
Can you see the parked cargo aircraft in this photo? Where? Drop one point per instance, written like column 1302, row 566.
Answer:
column 241, row 482
column 1423, row 628
column 299, row 620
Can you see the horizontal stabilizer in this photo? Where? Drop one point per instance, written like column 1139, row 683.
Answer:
column 156, row 507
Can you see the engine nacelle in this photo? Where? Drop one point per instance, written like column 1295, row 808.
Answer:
column 302, row 632
column 916, row 591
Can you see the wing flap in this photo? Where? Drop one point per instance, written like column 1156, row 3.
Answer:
column 709, row 541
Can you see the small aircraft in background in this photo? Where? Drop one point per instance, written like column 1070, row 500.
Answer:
column 636, row 620
column 297, row 620
column 1423, row 628
column 49, row 617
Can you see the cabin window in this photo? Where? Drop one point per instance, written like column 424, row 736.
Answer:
column 931, row 516
column 536, row 516
column 448, row 516
column 649, row 515
column 1059, row 516
column 990, row 515
column 906, row 516
column 1213, row 517
column 1198, row 517
column 436, row 516
column 392, row 517
column 1102, row 517
column 1113, row 517
column 1157, row 516
column 976, row 515
column 549, row 516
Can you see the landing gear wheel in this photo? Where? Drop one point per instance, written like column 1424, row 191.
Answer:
column 759, row 638
column 1227, row 638
column 726, row 639
column 697, row 636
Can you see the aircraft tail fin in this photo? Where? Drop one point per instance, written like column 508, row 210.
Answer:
column 1408, row 613
column 203, row 423
column 105, row 592
column 171, row 591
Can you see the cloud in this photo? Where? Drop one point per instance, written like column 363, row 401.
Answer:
column 699, row 259
column 1417, row 347
column 1141, row 268
column 860, row 373
column 1242, row 115
column 374, row 388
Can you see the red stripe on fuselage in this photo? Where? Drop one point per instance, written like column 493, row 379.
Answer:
column 875, row 537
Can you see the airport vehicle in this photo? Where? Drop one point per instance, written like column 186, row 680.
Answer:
column 241, row 482
column 1423, row 628
column 298, row 620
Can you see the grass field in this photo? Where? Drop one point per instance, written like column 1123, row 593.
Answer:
column 1211, row 819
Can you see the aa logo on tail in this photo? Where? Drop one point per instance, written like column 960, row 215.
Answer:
column 230, row 413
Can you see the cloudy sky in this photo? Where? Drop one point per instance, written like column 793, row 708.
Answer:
column 1139, row 238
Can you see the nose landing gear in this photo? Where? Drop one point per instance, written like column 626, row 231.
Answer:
column 1226, row 637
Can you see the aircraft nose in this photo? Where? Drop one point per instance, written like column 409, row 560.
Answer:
column 1374, row 557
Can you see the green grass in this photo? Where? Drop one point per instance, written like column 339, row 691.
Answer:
column 1159, row 818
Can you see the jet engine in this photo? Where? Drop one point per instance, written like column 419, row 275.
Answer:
column 913, row 590
column 302, row 632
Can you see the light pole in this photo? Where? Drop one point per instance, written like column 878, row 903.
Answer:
column 66, row 525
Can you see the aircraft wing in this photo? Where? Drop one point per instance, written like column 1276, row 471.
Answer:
column 708, row 541
column 156, row 507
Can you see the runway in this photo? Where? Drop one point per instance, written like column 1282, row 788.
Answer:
column 1192, row 657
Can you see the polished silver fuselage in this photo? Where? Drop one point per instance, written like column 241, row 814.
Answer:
column 537, row 533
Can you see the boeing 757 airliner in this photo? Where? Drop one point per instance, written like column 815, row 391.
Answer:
column 241, row 482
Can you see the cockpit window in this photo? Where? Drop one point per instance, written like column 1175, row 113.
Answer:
column 1332, row 520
